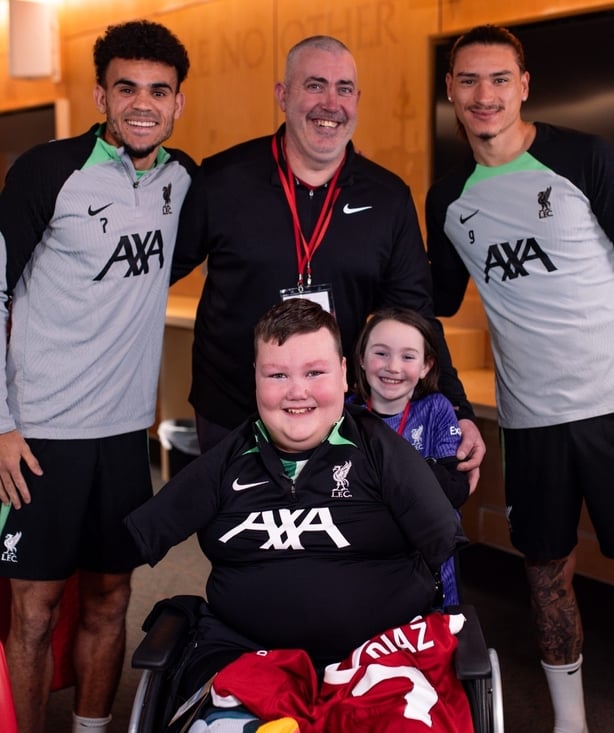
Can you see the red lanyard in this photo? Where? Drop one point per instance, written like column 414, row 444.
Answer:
column 404, row 416
column 305, row 250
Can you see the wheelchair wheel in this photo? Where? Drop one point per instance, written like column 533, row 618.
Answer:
column 158, row 655
column 146, row 713
column 486, row 699
column 496, row 693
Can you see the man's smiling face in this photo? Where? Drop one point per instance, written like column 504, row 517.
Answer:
column 141, row 103
column 487, row 88
column 320, row 99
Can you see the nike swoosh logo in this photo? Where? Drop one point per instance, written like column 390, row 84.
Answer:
column 241, row 487
column 93, row 212
column 463, row 219
column 347, row 209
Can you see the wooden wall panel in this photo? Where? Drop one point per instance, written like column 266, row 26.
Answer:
column 459, row 15
column 229, row 90
column 81, row 16
column 78, row 76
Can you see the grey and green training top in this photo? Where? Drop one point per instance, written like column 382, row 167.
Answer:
column 537, row 237
column 85, row 253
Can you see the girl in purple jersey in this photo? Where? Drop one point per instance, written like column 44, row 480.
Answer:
column 397, row 371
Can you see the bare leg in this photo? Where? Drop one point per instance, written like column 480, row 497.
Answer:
column 100, row 642
column 557, row 617
column 560, row 638
column 34, row 613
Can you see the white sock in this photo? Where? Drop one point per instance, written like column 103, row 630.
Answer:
column 89, row 725
column 565, row 684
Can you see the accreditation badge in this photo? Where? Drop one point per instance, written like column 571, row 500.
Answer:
column 320, row 294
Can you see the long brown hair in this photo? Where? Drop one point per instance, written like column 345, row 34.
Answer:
column 429, row 383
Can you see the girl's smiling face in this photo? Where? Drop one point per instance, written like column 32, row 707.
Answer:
column 393, row 362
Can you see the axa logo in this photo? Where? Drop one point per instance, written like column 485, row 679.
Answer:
column 10, row 547
column 283, row 528
column 340, row 477
column 134, row 252
column 509, row 261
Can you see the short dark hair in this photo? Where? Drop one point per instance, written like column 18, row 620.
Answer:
column 489, row 35
column 140, row 39
column 295, row 316
column 426, row 385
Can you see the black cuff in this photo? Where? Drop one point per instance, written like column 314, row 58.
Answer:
column 464, row 411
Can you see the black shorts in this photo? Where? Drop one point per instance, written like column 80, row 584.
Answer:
column 75, row 518
column 213, row 647
column 548, row 472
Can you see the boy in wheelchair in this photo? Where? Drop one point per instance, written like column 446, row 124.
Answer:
column 325, row 531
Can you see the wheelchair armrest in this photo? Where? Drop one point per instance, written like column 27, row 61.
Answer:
column 167, row 627
column 472, row 659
